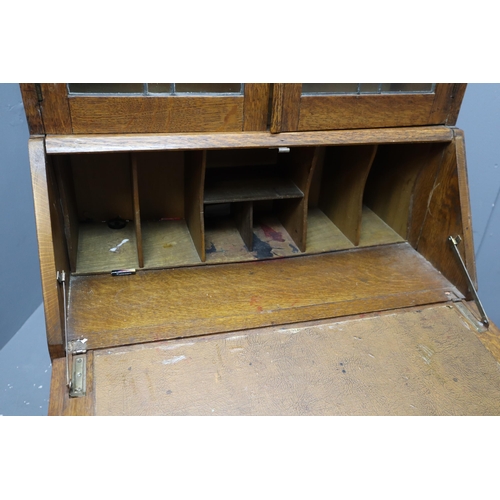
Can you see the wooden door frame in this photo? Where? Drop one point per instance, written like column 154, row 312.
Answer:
column 294, row 112
column 51, row 110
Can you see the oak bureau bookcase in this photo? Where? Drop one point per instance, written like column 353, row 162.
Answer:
column 258, row 249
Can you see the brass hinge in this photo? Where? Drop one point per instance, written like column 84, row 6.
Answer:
column 38, row 90
column 77, row 349
column 76, row 357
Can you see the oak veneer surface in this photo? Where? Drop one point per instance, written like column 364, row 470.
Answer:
column 414, row 362
column 183, row 141
column 183, row 302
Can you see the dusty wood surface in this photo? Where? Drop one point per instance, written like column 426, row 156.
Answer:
column 49, row 261
column 149, row 142
column 180, row 302
column 374, row 231
column 344, row 176
column 136, row 115
column 60, row 404
column 55, row 110
column 418, row 362
column 256, row 106
column 168, row 244
column 101, row 249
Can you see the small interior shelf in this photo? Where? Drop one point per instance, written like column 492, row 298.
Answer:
column 234, row 185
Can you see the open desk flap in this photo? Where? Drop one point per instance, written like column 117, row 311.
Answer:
column 419, row 361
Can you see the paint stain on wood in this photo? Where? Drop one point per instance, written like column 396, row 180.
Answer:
column 212, row 249
column 254, row 302
column 272, row 234
column 262, row 249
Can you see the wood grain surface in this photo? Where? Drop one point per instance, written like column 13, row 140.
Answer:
column 32, row 108
column 50, row 263
column 342, row 187
column 256, row 106
column 319, row 112
column 150, row 142
column 421, row 361
column 135, row 115
column 55, row 109
column 181, row 302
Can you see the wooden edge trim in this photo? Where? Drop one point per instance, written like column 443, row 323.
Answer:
column 55, row 108
column 291, row 107
column 46, row 254
column 277, row 108
column 441, row 104
column 60, row 404
column 456, row 99
column 184, row 142
column 32, row 108
column 463, row 186
column 491, row 337
column 255, row 106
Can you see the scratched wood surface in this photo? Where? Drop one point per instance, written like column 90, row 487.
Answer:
column 423, row 361
column 198, row 300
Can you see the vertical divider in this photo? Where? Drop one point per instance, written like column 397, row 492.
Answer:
column 194, row 173
column 62, row 167
column 345, row 172
column 137, row 211
column 243, row 216
column 299, row 166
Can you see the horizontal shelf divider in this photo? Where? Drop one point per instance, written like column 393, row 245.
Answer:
column 61, row 144
column 251, row 189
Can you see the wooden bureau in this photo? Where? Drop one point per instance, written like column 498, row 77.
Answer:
column 258, row 249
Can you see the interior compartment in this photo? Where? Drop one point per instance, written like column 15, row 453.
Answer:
column 188, row 208
column 100, row 225
column 166, row 182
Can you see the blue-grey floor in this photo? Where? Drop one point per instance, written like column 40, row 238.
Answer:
column 25, row 370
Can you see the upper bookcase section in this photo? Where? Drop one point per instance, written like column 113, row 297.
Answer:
column 136, row 108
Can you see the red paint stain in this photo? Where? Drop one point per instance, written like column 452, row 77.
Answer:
column 254, row 302
column 272, row 234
